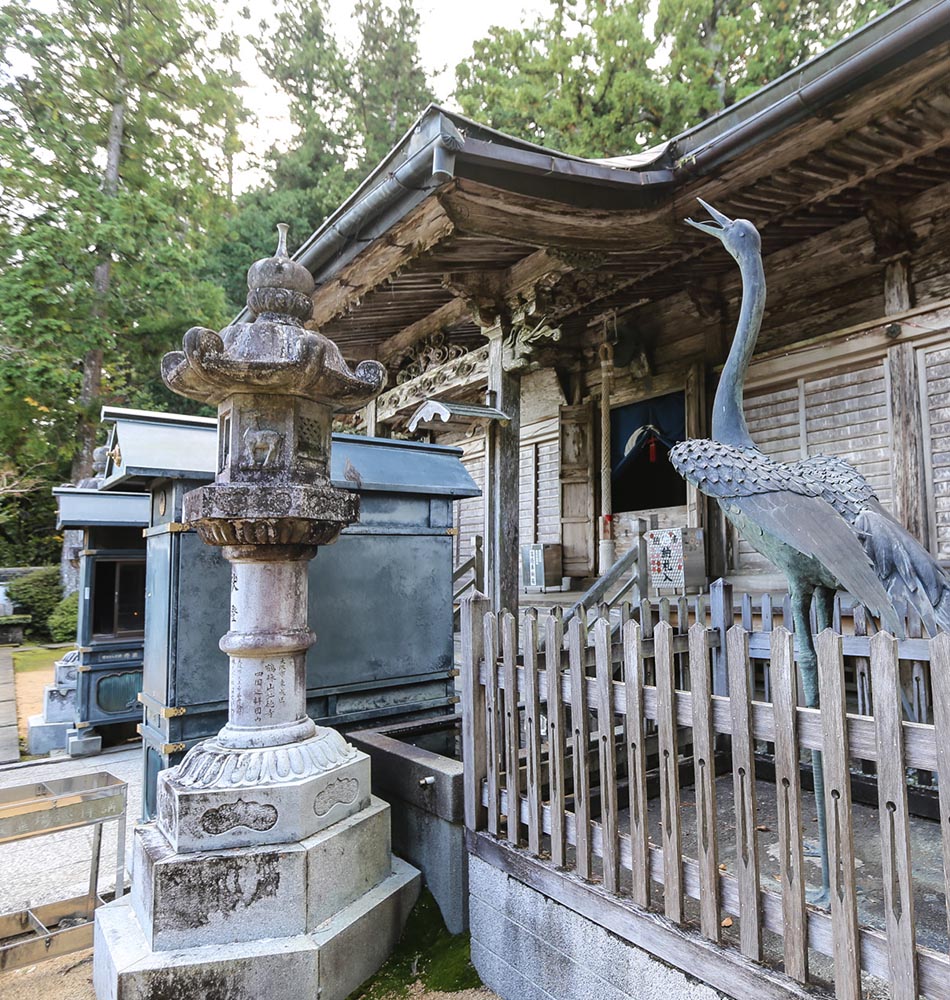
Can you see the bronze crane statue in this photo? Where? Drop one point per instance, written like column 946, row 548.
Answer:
column 818, row 520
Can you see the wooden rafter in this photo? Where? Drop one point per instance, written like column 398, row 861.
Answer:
column 424, row 228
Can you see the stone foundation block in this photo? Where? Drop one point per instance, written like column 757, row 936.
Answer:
column 43, row 736
column 347, row 860
column 59, row 704
column 355, row 942
column 191, row 900
column 83, row 742
column 330, row 963
column 125, row 968
column 213, row 819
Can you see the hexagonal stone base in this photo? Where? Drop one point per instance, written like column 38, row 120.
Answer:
column 329, row 963
column 212, row 818
column 273, row 890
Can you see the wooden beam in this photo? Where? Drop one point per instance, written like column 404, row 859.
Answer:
column 483, row 210
column 515, row 283
column 424, row 227
column 450, row 314
column 454, row 376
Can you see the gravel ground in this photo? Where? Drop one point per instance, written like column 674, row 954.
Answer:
column 70, row 978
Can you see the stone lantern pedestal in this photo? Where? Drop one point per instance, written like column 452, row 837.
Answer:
column 268, row 871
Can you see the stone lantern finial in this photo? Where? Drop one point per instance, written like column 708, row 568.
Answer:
column 279, row 288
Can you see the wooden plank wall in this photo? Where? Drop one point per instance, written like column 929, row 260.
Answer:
column 470, row 512
column 934, row 365
column 540, row 496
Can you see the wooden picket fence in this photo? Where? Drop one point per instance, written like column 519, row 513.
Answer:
column 565, row 739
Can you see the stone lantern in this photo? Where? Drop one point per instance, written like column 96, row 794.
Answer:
column 277, row 806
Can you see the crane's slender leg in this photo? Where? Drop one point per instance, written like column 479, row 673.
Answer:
column 808, row 664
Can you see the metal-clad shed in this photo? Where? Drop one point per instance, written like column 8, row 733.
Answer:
column 111, row 620
column 380, row 597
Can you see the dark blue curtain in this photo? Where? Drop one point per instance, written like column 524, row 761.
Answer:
column 663, row 418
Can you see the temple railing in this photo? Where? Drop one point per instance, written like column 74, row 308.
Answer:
column 577, row 754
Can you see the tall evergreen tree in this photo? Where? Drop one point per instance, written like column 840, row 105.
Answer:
column 109, row 113
column 576, row 80
column 348, row 110
column 389, row 84
column 723, row 50
column 589, row 79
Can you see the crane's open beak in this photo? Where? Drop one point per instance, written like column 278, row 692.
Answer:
column 715, row 228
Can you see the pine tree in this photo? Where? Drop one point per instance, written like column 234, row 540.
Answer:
column 348, row 109
column 389, row 86
column 723, row 50
column 577, row 80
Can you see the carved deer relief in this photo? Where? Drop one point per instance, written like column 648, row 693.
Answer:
column 262, row 446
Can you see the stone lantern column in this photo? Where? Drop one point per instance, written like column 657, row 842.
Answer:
column 267, row 833
column 277, row 387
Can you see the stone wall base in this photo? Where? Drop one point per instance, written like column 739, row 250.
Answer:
column 541, row 933
column 526, row 946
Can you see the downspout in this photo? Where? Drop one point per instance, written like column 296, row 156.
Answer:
column 434, row 162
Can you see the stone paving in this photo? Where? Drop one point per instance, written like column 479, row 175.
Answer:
column 9, row 740
column 56, row 866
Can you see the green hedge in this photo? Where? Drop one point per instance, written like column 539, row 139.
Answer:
column 37, row 594
column 62, row 622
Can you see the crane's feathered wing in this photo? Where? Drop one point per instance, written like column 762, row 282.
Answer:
column 825, row 509
column 910, row 574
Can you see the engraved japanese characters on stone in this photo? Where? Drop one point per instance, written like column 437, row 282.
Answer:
column 253, row 815
column 341, row 790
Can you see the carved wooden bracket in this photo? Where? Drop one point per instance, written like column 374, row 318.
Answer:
column 458, row 373
column 523, row 341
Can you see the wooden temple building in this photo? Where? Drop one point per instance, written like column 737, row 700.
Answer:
column 569, row 293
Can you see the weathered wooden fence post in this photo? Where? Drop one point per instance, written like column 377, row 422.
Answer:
column 844, row 905
column 720, row 610
column 743, row 783
column 894, row 819
column 704, row 762
column 474, row 608
column 788, row 795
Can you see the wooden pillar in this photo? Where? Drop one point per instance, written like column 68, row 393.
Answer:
column 907, row 443
column 695, row 428
column 502, row 480
column 894, row 244
column 908, row 462
column 607, row 551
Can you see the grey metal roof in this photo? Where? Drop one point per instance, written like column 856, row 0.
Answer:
column 145, row 445
column 443, row 143
column 399, row 467
column 93, row 508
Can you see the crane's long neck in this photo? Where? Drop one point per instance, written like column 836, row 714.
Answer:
column 728, row 421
